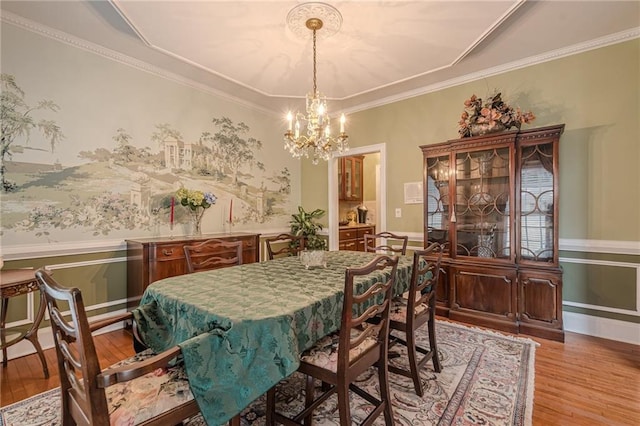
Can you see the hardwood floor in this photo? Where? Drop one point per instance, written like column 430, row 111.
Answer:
column 585, row 381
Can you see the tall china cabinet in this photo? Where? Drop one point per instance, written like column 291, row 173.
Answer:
column 492, row 201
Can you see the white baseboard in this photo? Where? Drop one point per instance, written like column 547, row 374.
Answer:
column 605, row 328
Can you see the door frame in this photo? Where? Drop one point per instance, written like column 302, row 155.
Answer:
column 332, row 166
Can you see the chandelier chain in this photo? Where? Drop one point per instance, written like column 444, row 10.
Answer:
column 315, row 85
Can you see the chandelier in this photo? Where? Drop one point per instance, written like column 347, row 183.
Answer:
column 310, row 135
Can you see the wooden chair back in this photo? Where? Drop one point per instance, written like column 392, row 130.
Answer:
column 371, row 245
column 82, row 383
column 82, row 399
column 374, row 320
column 213, row 254
column 284, row 245
column 424, row 282
column 418, row 309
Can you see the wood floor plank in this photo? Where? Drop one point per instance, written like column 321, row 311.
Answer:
column 583, row 382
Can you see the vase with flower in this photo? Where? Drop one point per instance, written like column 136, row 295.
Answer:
column 197, row 202
column 493, row 116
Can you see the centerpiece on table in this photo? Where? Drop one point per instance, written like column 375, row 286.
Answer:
column 197, row 202
column 315, row 247
column 491, row 117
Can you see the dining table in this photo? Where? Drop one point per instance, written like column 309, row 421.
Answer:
column 242, row 329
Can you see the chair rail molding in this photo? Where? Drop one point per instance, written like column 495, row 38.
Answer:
column 600, row 246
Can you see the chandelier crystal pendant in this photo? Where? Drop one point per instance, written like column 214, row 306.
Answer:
column 310, row 135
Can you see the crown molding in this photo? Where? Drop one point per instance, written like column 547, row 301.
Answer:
column 68, row 39
column 511, row 66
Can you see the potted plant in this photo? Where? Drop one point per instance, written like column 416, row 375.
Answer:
column 305, row 224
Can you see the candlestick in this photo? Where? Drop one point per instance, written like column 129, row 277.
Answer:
column 342, row 120
column 231, row 212
column 290, row 120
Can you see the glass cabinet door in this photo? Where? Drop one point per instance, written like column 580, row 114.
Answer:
column 340, row 179
column 482, row 211
column 536, row 203
column 437, row 200
column 348, row 177
column 357, row 178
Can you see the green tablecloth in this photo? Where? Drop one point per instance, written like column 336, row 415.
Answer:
column 242, row 329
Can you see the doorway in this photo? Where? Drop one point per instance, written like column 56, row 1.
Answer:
column 381, row 190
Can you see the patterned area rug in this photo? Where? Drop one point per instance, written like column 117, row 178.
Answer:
column 487, row 379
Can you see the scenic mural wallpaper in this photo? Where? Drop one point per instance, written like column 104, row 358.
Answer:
column 124, row 183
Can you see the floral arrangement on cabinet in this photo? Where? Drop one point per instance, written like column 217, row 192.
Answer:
column 493, row 116
column 197, row 201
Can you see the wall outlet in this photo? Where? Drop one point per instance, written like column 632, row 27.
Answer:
column 398, row 212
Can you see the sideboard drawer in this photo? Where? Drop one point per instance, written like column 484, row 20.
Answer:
column 162, row 252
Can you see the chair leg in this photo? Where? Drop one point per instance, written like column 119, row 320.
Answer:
column 343, row 402
column 413, row 362
column 431, row 326
column 271, row 406
column 385, row 392
column 235, row 421
column 308, row 399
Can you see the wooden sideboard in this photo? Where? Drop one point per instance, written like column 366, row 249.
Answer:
column 152, row 259
column 352, row 237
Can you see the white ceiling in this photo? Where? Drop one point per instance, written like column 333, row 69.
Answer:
column 384, row 50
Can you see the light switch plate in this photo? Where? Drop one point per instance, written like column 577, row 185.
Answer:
column 398, row 212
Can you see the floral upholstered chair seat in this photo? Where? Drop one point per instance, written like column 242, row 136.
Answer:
column 399, row 308
column 138, row 400
column 325, row 352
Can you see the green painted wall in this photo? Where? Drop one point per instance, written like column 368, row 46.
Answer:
column 596, row 94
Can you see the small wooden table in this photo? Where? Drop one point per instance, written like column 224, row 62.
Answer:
column 15, row 282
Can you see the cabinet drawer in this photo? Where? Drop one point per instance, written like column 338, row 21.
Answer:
column 349, row 245
column 348, row 234
column 363, row 231
column 167, row 252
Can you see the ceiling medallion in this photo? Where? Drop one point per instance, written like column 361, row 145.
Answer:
column 298, row 16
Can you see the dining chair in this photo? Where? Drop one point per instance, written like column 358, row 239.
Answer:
column 288, row 245
column 338, row 359
column 213, row 254
column 148, row 388
column 370, row 243
column 414, row 309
